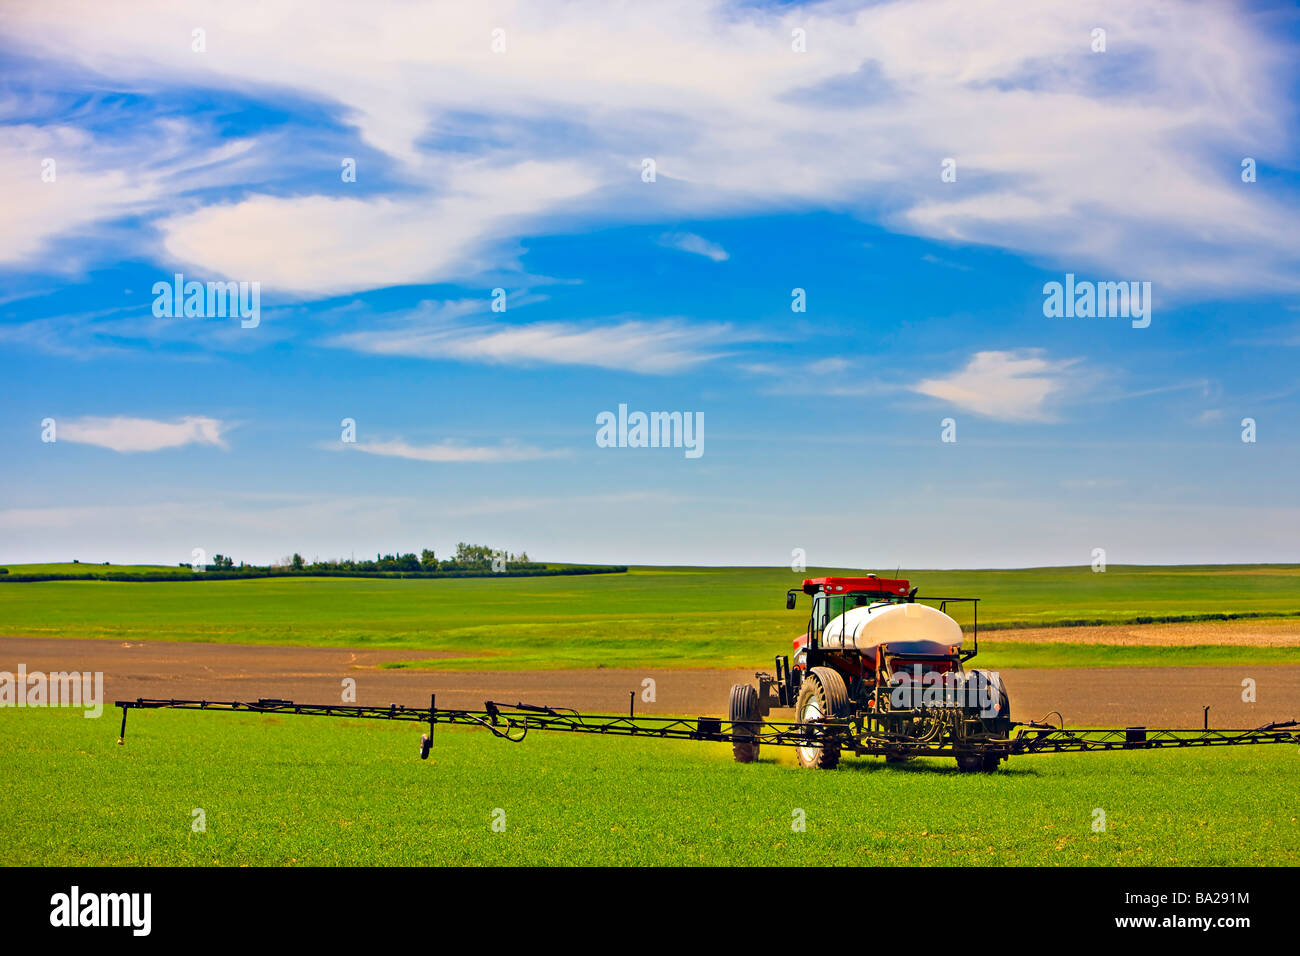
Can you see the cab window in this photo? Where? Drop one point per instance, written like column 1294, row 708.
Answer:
column 817, row 622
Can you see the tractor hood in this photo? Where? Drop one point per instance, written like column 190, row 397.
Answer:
column 906, row 628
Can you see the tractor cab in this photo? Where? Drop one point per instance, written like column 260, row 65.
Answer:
column 833, row 596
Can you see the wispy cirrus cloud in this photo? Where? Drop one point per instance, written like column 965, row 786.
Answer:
column 1010, row 386
column 453, row 453
column 61, row 180
column 833, row 376
column 648, row 346
column 698, row 245
column 123, row 434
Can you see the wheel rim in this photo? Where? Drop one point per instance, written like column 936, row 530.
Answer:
column 812, row 710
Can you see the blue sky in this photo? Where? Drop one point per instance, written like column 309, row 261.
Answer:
column 775, row 169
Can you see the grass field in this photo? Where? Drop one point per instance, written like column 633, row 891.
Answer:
column 70, row 568
column 302, row 791
column 666, row 617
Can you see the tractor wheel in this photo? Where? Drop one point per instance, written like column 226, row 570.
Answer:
column 745, row 722
column 998, row 722
column 822, row 695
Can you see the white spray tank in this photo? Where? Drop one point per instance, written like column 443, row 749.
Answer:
column 906, row 628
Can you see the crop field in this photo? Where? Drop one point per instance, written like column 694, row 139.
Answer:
column 649, row 616
column 304, row 791
column 285, row 790
column 71, row 568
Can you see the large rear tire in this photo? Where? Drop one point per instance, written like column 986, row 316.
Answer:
column 742, row 710
column 996, row 720
column 822, row 696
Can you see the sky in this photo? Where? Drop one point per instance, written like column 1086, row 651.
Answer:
column 824, row 230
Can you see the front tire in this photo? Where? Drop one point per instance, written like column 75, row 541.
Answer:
column 822, row 696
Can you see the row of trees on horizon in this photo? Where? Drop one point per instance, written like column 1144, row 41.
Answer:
column 468, row 557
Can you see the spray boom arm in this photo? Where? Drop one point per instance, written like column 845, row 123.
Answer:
column 513, row 722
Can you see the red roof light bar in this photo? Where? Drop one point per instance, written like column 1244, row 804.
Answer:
column 870, row 584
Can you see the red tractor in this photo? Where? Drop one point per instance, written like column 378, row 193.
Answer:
column 879, row 672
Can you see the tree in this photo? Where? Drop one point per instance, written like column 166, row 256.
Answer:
column 297, row 561
column 428, row 560
column 473, row 555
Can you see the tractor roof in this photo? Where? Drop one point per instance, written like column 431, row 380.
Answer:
column 870, row 584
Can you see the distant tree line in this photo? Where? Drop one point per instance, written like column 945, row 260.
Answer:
column 469, row 557
column 470, row 560
column 251, row 571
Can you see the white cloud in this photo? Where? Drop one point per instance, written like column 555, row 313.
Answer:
column 1047, row 134
column 124, row 434
column 655, row 347
column 96, row 179
column 448, row 452
column 325, row 245
column 690, row 242
column 1015, row 386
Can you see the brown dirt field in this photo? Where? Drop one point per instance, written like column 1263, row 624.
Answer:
column 1283, row 632
column 1151, row 696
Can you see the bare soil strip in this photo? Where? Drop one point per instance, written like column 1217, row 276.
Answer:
column 1150, row 696
column 1276, row 632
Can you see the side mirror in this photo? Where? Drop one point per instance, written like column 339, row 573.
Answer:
column 789, row 600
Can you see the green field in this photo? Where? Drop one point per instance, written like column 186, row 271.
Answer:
column 665, row 617
column 304, row 791
column 71, row 568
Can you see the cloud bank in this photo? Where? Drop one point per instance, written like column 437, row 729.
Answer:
column 1142, row 142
